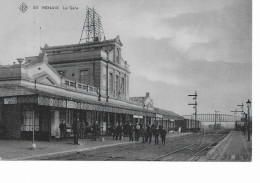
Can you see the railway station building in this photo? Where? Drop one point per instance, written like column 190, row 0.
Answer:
column 89, row 81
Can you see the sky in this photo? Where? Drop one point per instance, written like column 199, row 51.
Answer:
column 174, row 47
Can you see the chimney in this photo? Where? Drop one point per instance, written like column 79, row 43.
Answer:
column 147, row 94
column 14, row 63
column 20, row 60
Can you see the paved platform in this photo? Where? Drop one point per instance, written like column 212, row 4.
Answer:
column 235, row 147
column 20, row 149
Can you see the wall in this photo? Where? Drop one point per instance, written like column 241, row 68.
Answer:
column 1, row 111
column 13, row 121
column 74, row 68
column 8, row 72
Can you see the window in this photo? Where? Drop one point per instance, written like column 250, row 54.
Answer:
column 117, row 55
column 29, row 117
column 123, row 86
column 84, row 77
column 117, row 84
column 111, row 83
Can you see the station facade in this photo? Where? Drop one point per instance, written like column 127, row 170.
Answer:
column 89, row 81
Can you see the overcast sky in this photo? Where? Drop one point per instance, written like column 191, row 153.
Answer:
column 174, row 47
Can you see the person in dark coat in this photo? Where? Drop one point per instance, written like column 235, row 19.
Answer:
column 76, row 130
column 149, row 133
column 163, row 135
column 113, row 130
column 156, row 135
column 160, row 129
column 131, row 130
column 87, row 129
column 63, row 129
column 94, row 131
column 108, row 128
column 153, row 127
column 144, row 133
column 119, row 131
column 137, row 132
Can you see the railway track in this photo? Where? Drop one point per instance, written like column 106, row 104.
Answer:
column 201, row 148
column 146, row 152
column 139, row 147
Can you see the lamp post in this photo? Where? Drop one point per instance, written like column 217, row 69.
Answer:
column 248, row 103
column 33, row 131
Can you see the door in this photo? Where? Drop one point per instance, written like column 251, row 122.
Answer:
column 45, row 120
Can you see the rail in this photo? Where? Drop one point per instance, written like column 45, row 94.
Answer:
column 186, row 147
column 80, row 86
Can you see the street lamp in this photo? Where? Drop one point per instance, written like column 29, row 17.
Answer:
column 248, row 103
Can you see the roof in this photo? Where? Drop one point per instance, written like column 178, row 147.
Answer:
column 11, row 90
column 169, row 114
column 87, row 44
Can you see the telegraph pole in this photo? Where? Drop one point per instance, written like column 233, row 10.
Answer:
column 243, row 113
column 195, row 104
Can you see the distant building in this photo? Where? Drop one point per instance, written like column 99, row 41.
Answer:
column 89, row 81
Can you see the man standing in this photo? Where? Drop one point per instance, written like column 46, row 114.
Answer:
column 163, row 135
column 156, row 135
column 137, row 132
column 149, row 133
column 144, row 134
column 131, row 129
column 62, row 129
column 119, row 130
column 76, row 130
column 108, row 128
column 95, row 129
column 113, row 130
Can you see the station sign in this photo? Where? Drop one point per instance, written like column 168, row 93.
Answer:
column 137, row 116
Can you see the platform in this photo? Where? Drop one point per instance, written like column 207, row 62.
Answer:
column 20, row 149
column 235, row 147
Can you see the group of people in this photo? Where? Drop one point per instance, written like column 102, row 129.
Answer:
column 80, row 130
column 134, row 131
column 146, row 132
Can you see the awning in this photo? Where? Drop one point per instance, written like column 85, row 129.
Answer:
column 65, row 102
